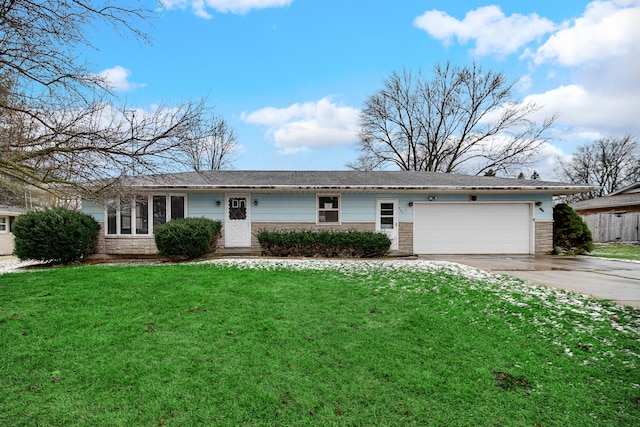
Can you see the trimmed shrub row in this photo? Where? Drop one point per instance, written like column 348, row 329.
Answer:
column 329, row 244
column 187, row 238
column 57, row 235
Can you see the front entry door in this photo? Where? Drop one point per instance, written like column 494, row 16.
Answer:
column 387, row 220
column 237, row 224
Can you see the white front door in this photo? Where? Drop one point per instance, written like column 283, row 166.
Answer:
column 387, row 220
column 237, row 224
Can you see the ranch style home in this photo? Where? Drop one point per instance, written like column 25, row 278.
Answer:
column 422, row 212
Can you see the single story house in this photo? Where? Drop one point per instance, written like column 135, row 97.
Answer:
column 422, row 212
column 614, row 217
column 7, row 215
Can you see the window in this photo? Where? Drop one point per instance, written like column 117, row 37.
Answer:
column 3, row 224
column 140, row 215
column 237, row 208
column 328, row 209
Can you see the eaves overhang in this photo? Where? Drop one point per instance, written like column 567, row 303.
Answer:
column 555, row 190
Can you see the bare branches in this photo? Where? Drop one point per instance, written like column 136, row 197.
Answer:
column 60, row 125
column 462, row 118
column 609, row 163
column 210, row 146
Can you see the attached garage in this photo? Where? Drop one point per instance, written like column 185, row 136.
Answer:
column 473, row 228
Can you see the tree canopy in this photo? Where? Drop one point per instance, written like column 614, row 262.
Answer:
column 610, row 163
column 462, row 119
column 60, row 123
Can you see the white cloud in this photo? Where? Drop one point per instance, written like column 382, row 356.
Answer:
column 607, row 29
column 593, row 59
column 312, row 124
column 225, row 6
column 492, row 31
column 117, row 78
column 601, row 50
column 583, row 107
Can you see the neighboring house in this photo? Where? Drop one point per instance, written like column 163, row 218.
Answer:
column 422, row 212
column 7, row 215
column 614, row 217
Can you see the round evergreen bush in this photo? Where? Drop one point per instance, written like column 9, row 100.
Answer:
column 188, row 237
column 57, row 235
column 570, row 233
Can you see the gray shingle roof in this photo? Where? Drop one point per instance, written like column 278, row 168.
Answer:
column 10, row 210
column 347, row 180
column 608, row 202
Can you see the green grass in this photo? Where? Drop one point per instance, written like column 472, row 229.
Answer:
column 616, row 251
column 359, row 344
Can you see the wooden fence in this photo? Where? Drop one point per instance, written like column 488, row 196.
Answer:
column 614, row 226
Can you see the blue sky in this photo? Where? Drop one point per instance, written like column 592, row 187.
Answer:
column 291, row 75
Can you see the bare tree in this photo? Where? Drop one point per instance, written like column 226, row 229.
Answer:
column 59, row 122
column 462, row 119
column 608, row 163
column 211, row 147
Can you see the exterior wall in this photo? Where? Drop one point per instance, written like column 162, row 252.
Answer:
column 6, row 236
column 299, row 211
column 543, row 234
column 125, row 245
column 6, row 243
column 405, row 238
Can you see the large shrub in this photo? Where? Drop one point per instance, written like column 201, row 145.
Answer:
column 186, row 238
column 353, row 244
column 58, row 235
column 570, row 233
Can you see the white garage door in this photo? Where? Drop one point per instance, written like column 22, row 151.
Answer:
column 472, row 228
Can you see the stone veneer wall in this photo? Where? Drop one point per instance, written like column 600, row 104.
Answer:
column 125, row 245
column 405, row 238
column 544, row 237
column 129, row 245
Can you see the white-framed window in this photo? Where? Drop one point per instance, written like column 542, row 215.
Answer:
column 139, row 215
column 328, row 208
column 4, row 224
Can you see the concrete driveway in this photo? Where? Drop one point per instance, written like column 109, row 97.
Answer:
column 601, row 278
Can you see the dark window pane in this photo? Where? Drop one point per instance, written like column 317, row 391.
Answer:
column 159, row 210
column 125, row 216
column 177, row 207
column 238, row 208
column 112, row 213
column 329, row 216
column 328, row 202
column 142, row 215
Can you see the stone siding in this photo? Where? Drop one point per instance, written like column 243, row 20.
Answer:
column 145, row 246
column 405, row 238
column 125, row 245
column 544, row 237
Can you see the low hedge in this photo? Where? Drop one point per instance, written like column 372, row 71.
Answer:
column 328, row 244
column 187, row 238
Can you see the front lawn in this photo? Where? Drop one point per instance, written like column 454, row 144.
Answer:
column 322, row 343
column 617, row 251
